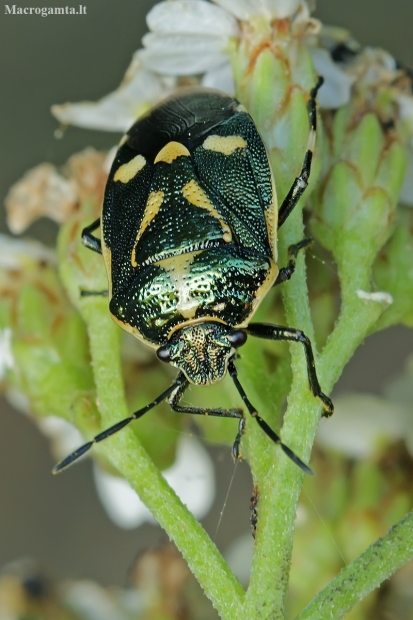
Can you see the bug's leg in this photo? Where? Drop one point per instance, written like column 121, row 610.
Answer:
column 88, row 240
column 84, row 293
column 92, row 243
column 176, row 396
column 276, row 332
column 263, row 424
column 301, row 182
column 285, row 273
column 116, row 427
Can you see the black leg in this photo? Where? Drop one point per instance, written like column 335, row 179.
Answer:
column 300, row 184
column 285, row 273
column 117, row 427
column 267, row 429
column 88, row 240
column 276, row 332
column 176, row 396
column 84, row 293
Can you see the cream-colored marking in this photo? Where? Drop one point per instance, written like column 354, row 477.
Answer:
column 241, row 108
column 107, row 259
column 126, row 172
column 197, row 197
column 271, row 220
column 219, row 307
column 224, row 144
column 311, row 140
column 134, row 331
column 123, row 139
column 178, row 268
column 201, row 319
column 153, row 204
column 171, row 151
column 262, row 291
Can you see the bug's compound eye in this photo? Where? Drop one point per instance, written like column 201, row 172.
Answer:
column 238, row 338
column 164, row 354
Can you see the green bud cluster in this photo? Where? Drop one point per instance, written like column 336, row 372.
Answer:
column 355, row 202
column 49, row 344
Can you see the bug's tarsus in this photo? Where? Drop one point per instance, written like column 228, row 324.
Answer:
column 263, row 424
column 277, row 332
column 178, row 393
column 115, row 428
column 300, row 183
column 88, row 240
column 84, row 293
column 285, row 273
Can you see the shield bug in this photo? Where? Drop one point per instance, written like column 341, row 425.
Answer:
column 189, row 240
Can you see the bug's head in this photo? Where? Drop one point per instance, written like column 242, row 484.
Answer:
column 202, row 350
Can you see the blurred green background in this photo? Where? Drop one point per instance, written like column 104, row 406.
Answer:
column 59, row 521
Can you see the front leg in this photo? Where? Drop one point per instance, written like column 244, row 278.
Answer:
column 285, row 273
column 88, row 240
column 276, row 332
column 237, row 413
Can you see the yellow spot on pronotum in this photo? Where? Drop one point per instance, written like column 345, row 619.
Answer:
column 126, row 172
column 197, row 197
column 224, row 144
column 152, row 207
column 171, row 151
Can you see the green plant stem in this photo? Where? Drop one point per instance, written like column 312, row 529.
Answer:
column 130, row 459
column 363, row 575
column 278, row 480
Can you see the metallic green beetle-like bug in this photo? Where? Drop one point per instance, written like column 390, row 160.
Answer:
column 189, row 240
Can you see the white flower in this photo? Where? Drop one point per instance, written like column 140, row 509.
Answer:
column 191, row 477
column 361, row 424
column 139, row 90
column 187, row 37
column 6, row 353
column 64, row 435
column 244, row 10
column 190, row 37
column 41, row 192
column 16, row 254
column 336, row 89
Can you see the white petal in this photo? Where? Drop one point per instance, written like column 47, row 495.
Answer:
column 242, row 9
column 278, row 9
column 239, row 557
column 91, row 601
column 221, row 78
column 361, row 423
column 191, row 477
column 65, row 436
column 41, row 192
column 336, row 90
column 191, row 17
column 273, row 9
column 6, row 353
column 118, row 110
column 15, row 253
column 183, row 54
column 120, row 501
